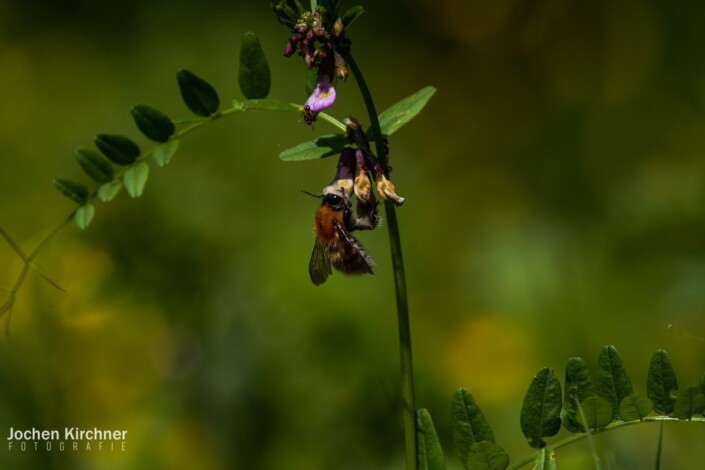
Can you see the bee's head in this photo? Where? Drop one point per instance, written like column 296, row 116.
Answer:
column 334, row 197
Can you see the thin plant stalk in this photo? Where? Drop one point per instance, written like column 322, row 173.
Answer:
column 407, row 371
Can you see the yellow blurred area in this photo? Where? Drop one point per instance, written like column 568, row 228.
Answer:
column 554, row 205
column 489, row 356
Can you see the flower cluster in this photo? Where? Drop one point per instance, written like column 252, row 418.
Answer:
column 322, row 46
column 353, row 176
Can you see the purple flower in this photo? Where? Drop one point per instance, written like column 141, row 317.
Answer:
column 322, row 97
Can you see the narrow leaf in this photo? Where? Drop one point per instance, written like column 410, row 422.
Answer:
column 540, row 413
column 135, row 178
column 254, row 71
column 324, row 146
column 94, row 165
column 469, row 424
column 153, row 123
column 72, row 190
column 545, row 459
column 117, row 148
column 198, row 95
column 596, row 412
column 635, row 407
column 429, row 452
column 661, row 383
column 351, row 15
column 84, row 215
column 404, row 111
column 162, row 153
column 108, row 191
column 689, row 402
column 613, row 383
column 578, row 386
column 487, row 455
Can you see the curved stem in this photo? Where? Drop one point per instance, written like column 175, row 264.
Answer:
column 617, row 424
column 407, row 371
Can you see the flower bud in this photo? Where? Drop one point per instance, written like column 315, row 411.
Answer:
column 362, row 186
column 341, row 67
column 338, row 29
column 386, row 189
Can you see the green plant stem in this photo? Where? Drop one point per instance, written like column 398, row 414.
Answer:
column 407, row 370
column 617, row 424
column 28, row 263
column 659, row 446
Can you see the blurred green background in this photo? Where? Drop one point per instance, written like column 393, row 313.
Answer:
column 554, row 205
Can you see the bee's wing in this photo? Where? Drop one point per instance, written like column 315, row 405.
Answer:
column 359, row 261
column 319, row 268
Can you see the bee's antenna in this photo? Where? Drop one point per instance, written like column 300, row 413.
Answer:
column 317, row 196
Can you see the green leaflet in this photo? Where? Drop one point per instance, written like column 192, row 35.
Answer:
column 198, row 95
column 254, row 77
column 94, row 165
column 613, row 383
column 154, row 124
column 72, row 190
column 469, row 424
column 487, row 455
column 162, row 153
column 540, row 413
column 84, row 215
column 429, row 452
column 634, row 407
column 324, row 146
column 108, row 191
column 545, row 459
column 351, row 15
column 402, row 112
column 135, row 179
column 597, row 412
column 689, row 402
column 578, row 386
column 117, row 148
column 661, row 383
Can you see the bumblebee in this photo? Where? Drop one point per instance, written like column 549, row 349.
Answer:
column 334, row 246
